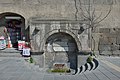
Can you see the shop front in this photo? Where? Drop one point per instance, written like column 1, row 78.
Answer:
column 13, row 28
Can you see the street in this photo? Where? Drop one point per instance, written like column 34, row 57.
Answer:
column 16, row 68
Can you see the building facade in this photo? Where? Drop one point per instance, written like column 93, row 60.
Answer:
column 53, row 27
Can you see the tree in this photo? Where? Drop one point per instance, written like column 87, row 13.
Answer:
column 89, row 14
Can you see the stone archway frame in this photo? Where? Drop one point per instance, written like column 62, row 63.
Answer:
column 13, row 13
column 16, row 13
column 57, row 31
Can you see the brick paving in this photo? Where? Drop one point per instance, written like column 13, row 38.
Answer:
column 16, row 68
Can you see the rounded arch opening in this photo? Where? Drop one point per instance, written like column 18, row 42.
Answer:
column 70, row 33
column 61, row 42
column 12, row 27
column 61, row 48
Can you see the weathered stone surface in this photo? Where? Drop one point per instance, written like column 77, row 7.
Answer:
column 117, row 30
column 114, row 47
column 47, row 28
column 69, row 59
column 116, row 52
column 107, row 40
column 113, row 30
column 104, row 41
column 107, row 53
column 7, row 1
column 82, row 59
column 105, row 47
column 39, row 60
column 84, row 42
column 110, row 35
column 104, row 30
column 118, row 40
column 108, row 47
column 96, row 39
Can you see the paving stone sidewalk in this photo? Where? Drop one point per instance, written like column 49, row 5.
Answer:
column 16, row 68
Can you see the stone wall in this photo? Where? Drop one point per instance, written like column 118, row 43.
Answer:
column 63, row 9
column 109, row 41
column 40, row 30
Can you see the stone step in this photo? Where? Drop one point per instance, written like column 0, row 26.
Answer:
column 10, row 55
column 10, row 52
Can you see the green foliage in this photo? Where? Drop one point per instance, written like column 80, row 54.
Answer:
column 93, row 54
column 89, row 59
column 31, row 60
column 65, row 70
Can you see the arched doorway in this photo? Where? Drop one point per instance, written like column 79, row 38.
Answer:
column 14, row 27
column 61, row 48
